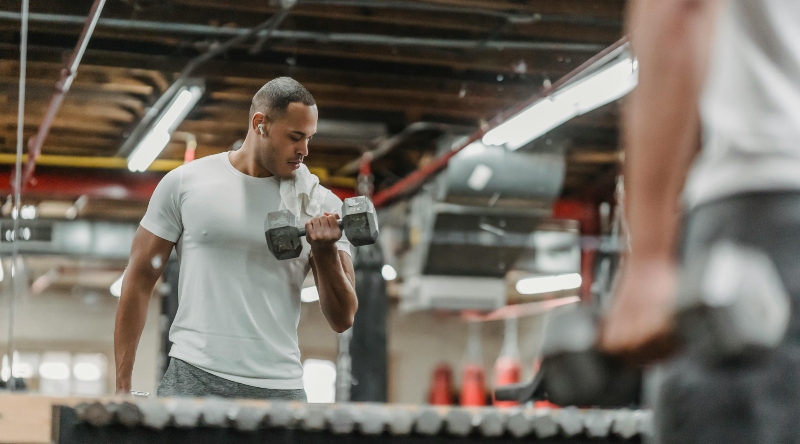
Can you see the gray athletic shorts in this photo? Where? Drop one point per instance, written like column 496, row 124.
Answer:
column 186, row 380
column 748, row 401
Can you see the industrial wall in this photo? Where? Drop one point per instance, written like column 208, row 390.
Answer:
column 65, row 322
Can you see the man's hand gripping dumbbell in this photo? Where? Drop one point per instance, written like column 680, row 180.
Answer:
column 731, row 304
column 359, row 223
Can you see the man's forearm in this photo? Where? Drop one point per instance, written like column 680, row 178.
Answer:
column 130, row 321
column 672, row 39
column 336, row 290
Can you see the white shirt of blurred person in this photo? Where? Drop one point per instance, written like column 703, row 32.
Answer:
column 239, row 307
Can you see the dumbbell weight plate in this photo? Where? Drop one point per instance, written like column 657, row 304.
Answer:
column 360, row 222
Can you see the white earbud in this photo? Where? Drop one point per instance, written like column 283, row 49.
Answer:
column 261, row 129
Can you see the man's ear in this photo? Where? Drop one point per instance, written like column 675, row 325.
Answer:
column 260, row 123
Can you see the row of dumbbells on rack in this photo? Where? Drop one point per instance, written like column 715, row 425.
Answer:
column 368, row 419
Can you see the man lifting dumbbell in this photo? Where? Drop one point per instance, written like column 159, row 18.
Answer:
column 235, row 332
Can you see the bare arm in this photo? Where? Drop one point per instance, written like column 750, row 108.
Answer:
column 333, row 273
column 672, row 40
column 137, row 287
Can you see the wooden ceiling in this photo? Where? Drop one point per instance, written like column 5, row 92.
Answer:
column 392, row 63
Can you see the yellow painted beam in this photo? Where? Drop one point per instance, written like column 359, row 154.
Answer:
column 157, row 165
column 90, row 162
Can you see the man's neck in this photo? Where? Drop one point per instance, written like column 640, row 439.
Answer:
column 244, row 159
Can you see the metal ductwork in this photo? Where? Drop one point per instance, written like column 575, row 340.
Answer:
column 475, row 221
column 93, row 239
column 494, row 177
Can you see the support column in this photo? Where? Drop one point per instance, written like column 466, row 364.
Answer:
column 368, row 343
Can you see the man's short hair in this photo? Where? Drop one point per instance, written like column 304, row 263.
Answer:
column 274, row 98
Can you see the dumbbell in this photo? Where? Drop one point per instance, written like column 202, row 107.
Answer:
column 730, row 304
column 359, row 223
column 574, row 371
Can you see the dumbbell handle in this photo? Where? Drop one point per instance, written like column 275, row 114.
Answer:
column 520, row 392
column 341, row 227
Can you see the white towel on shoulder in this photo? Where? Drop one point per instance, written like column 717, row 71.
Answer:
column 303, row 195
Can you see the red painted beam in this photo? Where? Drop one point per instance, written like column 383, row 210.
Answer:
column 73, row 183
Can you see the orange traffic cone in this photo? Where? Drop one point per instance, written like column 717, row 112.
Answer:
column 473, row 388
column 441, row 392
column 473, row 378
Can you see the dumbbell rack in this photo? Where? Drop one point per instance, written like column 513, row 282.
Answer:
column 224, row 421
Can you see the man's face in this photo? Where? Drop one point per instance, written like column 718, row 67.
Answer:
column 286, row 143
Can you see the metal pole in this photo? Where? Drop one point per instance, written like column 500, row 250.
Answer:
column 23, row 60
column 321, row 37
column 62, row 86
column 511, row 17
column 344, row 367
column 266, row 28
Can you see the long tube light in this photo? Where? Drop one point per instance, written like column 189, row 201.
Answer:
column 549, row 284
column 151, row 145
column 610, row 83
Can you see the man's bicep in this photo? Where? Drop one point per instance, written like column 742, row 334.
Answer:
column 163, row 217
column 149, row 253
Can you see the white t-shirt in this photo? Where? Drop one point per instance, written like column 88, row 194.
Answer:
column 751, row 103
column 239, row 307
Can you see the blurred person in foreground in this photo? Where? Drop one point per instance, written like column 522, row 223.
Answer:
column 731, row 71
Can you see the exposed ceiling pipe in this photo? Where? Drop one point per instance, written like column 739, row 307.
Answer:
column 417, row 178
column 320, row 37
column 511, row 17
column 268, row 26
column 62, row 86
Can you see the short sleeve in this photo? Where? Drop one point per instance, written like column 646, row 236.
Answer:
column 333, row 204
column 163, row 216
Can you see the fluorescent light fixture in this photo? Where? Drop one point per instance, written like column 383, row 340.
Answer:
column 610, row 83
column 160, row 134
column 309, row 294
column 87, row 371
column 28, row 212
column 54, row 370
column 116, row 287
column 388, row 272
column 549, row 284
column 23, row 370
